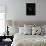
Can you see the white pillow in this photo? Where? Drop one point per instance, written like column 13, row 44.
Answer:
column 28, row 28
column 13, row 30
column 44, row 27
column 24, row 30
column 42, row 30
column 36, row 30
column 28, row 31
column 21, row 30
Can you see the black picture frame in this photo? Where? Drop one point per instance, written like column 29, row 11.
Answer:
column 30, row 9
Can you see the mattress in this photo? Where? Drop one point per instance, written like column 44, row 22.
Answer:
column 28, row 40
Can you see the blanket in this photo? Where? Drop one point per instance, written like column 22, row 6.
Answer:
column 29, row 40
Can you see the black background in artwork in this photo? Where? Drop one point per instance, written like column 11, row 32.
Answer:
column 30, row 9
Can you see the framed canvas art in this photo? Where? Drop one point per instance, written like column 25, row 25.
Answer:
column 30, row 9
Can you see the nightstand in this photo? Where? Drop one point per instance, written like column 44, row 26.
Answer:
column 11, row 37
column 5, row 42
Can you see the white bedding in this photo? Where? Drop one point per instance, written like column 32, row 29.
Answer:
column 29, row 40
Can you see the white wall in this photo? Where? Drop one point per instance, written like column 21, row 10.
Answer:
column 16, row 10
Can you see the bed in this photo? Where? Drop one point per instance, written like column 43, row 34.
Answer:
column 21, row 39
column 29, row 40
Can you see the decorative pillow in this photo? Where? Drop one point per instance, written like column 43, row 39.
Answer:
column 36, row 30
column 23, row 30
column 33, row 30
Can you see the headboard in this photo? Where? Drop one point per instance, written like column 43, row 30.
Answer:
column 21, row 23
